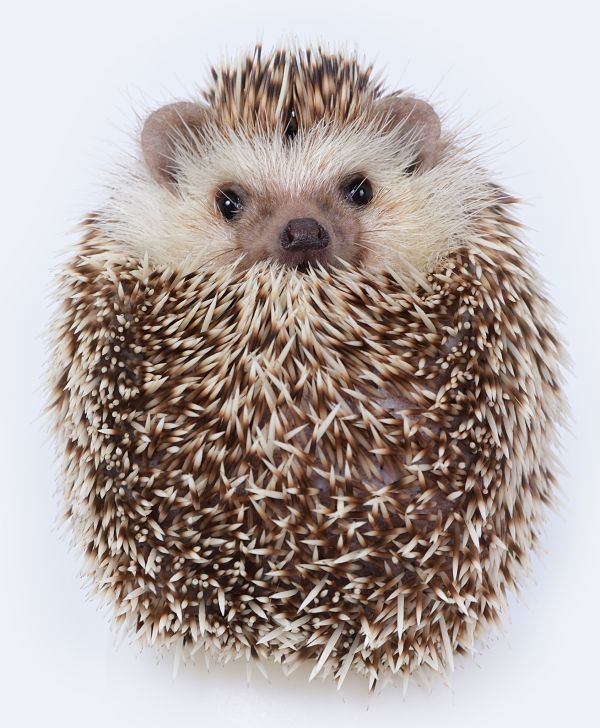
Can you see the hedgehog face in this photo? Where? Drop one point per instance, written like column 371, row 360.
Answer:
column 314, row 196
column 307, row 213
column 318, row 225
column 297, row 159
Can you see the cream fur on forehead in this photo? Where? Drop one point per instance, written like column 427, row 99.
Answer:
column 415, row 221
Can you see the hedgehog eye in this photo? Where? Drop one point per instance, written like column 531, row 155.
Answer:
column 358, row 191
column 229, row 203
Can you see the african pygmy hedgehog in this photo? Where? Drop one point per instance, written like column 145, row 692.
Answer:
column 305, row 378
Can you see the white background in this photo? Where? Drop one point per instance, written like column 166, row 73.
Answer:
column 74, row 76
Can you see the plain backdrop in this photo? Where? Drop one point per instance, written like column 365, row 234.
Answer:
column 75, row 78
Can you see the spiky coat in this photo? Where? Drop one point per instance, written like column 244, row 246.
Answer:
column 349, row 467
column 325, row 466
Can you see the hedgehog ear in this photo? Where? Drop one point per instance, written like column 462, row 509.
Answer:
column 419, row 121
column 164, row 131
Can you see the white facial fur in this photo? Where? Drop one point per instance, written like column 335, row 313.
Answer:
column 413, row 220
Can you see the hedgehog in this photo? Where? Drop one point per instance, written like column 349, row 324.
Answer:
column 305, row 379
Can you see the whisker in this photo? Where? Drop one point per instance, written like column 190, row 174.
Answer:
column 223, row 252
column 222, row 192
column 366, row 247
column 363, row 180
column 376, row 244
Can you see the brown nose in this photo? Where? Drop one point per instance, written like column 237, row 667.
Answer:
column 304, row 233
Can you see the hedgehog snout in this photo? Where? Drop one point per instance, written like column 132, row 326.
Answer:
column 304, row 234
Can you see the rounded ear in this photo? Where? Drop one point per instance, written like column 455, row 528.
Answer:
column 164, row 131
column 419, row 121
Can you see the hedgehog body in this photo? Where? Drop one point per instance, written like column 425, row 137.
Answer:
column 347, row 463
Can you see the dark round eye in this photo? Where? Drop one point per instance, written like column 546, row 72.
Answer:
column 359, row 191
column 229, row 203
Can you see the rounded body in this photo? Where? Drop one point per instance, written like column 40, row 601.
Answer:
column 345, row 466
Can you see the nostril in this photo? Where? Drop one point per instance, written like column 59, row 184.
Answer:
column 304, row 233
